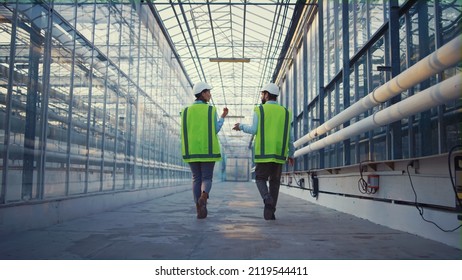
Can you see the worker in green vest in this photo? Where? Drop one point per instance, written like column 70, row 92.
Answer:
column 273, row 145
column 199, row 143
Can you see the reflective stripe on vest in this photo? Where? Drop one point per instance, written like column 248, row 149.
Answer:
column 198, row 134
column 272, row 142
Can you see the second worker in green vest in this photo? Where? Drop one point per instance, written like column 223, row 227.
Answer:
column 273, row 145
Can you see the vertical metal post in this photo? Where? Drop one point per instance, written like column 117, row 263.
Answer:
column 9, row 99
column 328, row 31
column 411, row 119
column 90, row 93
column 305, row 92
column 295, row 120
column 424, row 43
column 136, row 105
column 103, row 140
column 128, row 174
column 336, row 32
column 356, row 81
column 442, row 136
column 128, row 139
column 346, row 76
column 357, row 138
column 36, row 42
column 45, row 98
column 151, row 152
column 321, row 75
column 70, row 108
column 394, row 145
column 368, row 69
column 116, row 137
column 146, row 121
column 142, row 147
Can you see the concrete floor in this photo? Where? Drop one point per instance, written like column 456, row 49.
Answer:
column 167, row 228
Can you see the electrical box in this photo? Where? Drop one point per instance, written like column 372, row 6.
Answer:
column 314, row 185
column 373, row 183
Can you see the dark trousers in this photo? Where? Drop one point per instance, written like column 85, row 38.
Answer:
column 202, row 173
column 268, row 171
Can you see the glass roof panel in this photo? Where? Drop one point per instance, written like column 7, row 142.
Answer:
column 229, row 29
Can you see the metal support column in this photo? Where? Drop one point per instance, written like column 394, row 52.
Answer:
column 44, row 110
column 321, row 75
column 424, row 43
column 305, row 92
column 295, row 123
column 136, row 165
column 117, row 120
column 9, row 99
column 394, row 145
column 442, row 133
column 103, row 136
column 35, row 47
column 71, row 107
column 90, row 109
column 346, row 76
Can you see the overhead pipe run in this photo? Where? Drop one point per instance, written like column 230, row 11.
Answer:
column 439, row 94
column 441, row 59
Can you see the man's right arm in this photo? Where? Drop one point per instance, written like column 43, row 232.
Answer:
column 251, row 129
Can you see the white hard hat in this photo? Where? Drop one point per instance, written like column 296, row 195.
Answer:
column 271, row 88
column 200, row 86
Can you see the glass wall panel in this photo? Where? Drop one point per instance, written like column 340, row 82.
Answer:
column 365, row 18
column 313, row 62
column 85, row 114
column 423, row 27
column 449, row 25
column 60, row 73
column 289, row 94
column 6, row 36
column 299, row 90
column 332, row 37
column 378, row 14
column 20, row 101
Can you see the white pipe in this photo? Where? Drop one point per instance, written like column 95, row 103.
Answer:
column 438, row 94
column 441, row 59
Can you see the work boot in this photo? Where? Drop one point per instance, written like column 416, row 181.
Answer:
column 202, row 206
column 268, row 211
column 198, row 210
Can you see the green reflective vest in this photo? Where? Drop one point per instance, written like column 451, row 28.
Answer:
column 272, row 138
column 199, row 141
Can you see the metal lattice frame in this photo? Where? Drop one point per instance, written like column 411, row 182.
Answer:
column 252, row 30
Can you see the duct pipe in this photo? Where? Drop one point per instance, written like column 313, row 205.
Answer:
column 438, row 94
column 439, row 60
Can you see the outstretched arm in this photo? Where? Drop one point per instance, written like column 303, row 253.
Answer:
column 251, row 129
